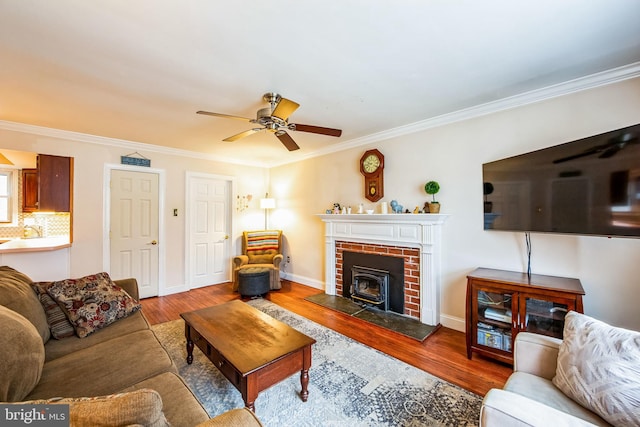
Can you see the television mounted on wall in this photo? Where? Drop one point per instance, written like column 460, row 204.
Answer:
column 590, row 186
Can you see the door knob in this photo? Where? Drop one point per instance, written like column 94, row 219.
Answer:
column 226, row 237
column 153, row 242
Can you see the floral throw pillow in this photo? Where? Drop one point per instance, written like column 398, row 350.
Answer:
column 92, row 302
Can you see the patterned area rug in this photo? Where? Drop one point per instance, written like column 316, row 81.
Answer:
column 350, row 384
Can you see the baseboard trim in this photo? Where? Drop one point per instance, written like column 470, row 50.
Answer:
column 302, row 280
column 451, row 322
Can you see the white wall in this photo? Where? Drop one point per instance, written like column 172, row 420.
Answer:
column 453, row 155
column 89, row 164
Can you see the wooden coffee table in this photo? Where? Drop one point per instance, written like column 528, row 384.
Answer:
column 252, row 350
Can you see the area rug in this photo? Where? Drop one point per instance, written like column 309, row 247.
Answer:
column 350, row 384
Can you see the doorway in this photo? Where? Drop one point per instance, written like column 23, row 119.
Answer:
column 134, row 228
column 208, row 229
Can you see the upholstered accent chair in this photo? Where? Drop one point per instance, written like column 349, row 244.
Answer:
column 261, row 248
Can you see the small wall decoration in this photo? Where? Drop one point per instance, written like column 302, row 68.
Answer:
column 140, row 160
column 242, row 202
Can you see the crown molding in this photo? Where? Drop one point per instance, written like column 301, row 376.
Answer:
column 592, row 81
column 120, row 143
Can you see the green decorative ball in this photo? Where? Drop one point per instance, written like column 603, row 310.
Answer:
column 431, row 187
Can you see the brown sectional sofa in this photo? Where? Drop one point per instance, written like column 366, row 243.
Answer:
column 124, row 356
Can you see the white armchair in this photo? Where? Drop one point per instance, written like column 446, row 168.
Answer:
column 591, row 377
column 529, row 398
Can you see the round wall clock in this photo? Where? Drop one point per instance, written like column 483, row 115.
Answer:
column 372, row 167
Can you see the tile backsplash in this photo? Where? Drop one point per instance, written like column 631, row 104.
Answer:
column 51, row 224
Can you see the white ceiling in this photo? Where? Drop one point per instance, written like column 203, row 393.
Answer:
column 139, row 70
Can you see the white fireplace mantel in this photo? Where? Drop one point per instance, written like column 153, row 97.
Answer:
column 421, row 231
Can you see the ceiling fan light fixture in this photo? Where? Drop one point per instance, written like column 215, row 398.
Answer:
column 272, row 98
column 263, row 113
column 275, row 119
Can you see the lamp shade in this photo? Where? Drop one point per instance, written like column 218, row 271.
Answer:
column 267, row 203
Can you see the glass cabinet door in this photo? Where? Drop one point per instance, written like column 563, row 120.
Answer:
column 542, row 316
column 494, row 318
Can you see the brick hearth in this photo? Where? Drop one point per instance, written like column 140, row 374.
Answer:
column 411, row 270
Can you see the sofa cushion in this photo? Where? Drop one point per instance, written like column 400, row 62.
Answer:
column 543, row 391
column 598, row 368
column 56, row 318
column 180, row 405
column 104, row 368
column 140, row 407
column 132, row 323
column 16, row 294
column 21, row 356
column 503, row 408
column 92, row 302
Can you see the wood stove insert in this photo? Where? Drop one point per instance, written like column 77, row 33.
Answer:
column 373, row 264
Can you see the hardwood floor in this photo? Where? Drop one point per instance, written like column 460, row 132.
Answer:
column 443, row 354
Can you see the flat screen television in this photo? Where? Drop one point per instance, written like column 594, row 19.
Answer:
column 590, row 186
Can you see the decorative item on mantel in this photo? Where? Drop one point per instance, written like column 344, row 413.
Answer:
column 432, row 187
column 396, row 207
column 140, row 160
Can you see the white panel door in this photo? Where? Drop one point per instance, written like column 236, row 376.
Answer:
column 134, row 229
column 209, row 243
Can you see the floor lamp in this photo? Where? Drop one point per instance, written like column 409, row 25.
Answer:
column 266, row 204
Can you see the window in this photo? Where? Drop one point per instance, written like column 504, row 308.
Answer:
column 8, row 197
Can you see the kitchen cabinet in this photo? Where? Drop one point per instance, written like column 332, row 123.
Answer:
column 29, row 190
column 500, row 304
column 49, row 187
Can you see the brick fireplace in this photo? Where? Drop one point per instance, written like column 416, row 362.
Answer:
column 413, row 237
column 411, row 258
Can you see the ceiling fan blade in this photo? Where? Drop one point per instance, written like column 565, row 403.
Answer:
column 317, row 129
column 226, row 116
column 242, row 135
column 285, row 108
column 288, row 142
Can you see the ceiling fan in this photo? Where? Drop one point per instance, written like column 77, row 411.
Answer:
column 606, row 150
column 275, row 119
